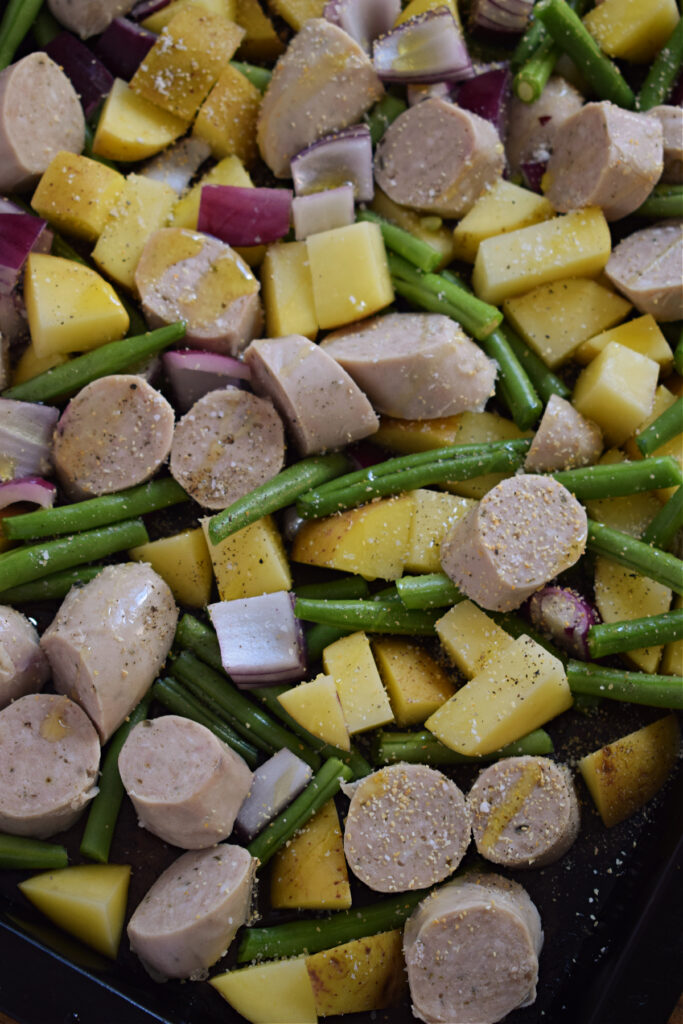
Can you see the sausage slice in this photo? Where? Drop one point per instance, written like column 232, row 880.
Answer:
column 524, row 812
column 49, row 759
column 23, row 666
column 190, row 916
column 471, row 950
column 88, row 17
column 408, row 826
column 115, row 433
column 227, row 444
column 532, row 127
column 414, row 365
column 40, row 115
column 438, row 158
column 94, row 645
column 646, row 268
column 564, row 439
column 671, row 120
column 186, row 785
column 526, row 530
column 318, row 400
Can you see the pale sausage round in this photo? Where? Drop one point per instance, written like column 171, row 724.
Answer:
column 532, row 127
column 408, row 826
column 49, row 759
column 524, row 812
column 671, row 120
column 646, row 268
column 186, row 785
column 226, row 445
column 564, row 439
column 23, row 666
column 521, row 534
column 115, row 433
column 88, row 17
column 190, row 916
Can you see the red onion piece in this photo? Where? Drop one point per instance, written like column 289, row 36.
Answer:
column 488, row 95
column 7, row 206
column 123, row 46
column 146, row 8
column 88, row 75
column 340, row 159
column 20, row 234
column 245, row 216
column 565, row 616
column 501, row 15
column 676, row 97
column 322, row 211
column 261, row 639
column 273, row 786
column 363, row 20
column 178, row 164
column 365, row 453
column 532, row 172
column 192, row 374
column 31, row 489
column 426, row 48
column 4, row 362
column 25, row 438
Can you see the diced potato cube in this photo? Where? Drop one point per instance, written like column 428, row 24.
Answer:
column 142, row 207
column 132, row 128
column 617, row 391
column 504, row 207
column 371, row 541
column 416, row 684
column 672, row 659
column 519, row 689
column 296, row 12
column 228, row 171
column 70, row 307
column 186, row 60
column 309, row 872
column 261, row 41
column 554, row 319
column 428, row 229
column 632, row 29
column 250, row 562
column 184, row 562
column 227, row 117
column 622, row 594
column 75, row 194
column 160, row 19
column 364, row 700
column 30, row 364
column 470, row 637
column 316, row 706
column 623, row 776
column 631, row 514
column 358, row 976
column 255, row 992
column 435, row 513
column 642, row 335
column 350, row 274
column 287, row 290
column 575, row 245
column 86, row 900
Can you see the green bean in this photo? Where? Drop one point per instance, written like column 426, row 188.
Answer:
column 375, row 616
column 279, row 492
column 531, row 79
column 534, row 35
column 431, row 590
column 621, row 478
column 260, row 77
column 345, row 587
column 382, row 115
column 678, row 355
column 45, row 28
column 104, row 810
column 115, row 357
column 413, row 249
column 322, row 787
column 634, row 554
column 632, row 687
column 544, row 381
column 663, row 71
column 666, row 524
column 424, row 748
column 15, row 25
column 22, row 854
column 667, row 426
column 52, row 587
column 21, row 565
column 200, row 639
column 630, row 634
column 85, row 515
column 320, row 636
column 663, row 201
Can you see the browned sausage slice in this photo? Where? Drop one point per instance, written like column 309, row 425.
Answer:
column 471, row 950
column 408, row 826
column 88, row 17
column 49, row 759
column 40, row 114
column 23, row 666
column 564, row 439
column 94, row 643
column 186, row 275
column 186, row 785
column 414, row 365
column 646, row 267
column 605, row 156
column 226, row 445
column 521, row 534
column 324, row 81
column 190, row 916
column 532, row 127
column 438, row 158
column 524, row 812
column 115, row 433
column 318, row 400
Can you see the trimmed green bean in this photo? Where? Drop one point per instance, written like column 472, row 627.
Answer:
column 531, row 79
column 534, row 35
column 22, row 565
column 629, row 634
column 260, row 77
column 632, row 687
column 634, row 554
column 413, row 249
column 85, row 515
column 432, row 590
column 667, row 426
column 104, row 810
column 15, row 26
column 322, row 787
column 424, row 748
column 663, row 71
column 50, row 588
column 279, row 492
column 383, row 114
column 544, row 381
column 346, row 587
column 374, row 616
column 115, row 357
column 663, row 201
column 666, row 524
column 22, row 854
column 621, row 478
